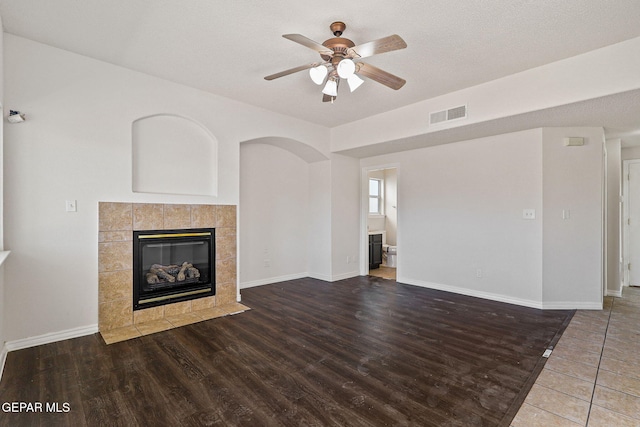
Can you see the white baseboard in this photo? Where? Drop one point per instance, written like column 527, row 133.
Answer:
column 3, row 359
column 611, row 293
column 555, row 305
column 334, row 278
column 271, row 280
column 320, row 276
column 51, row 337
column 472, row 293
column 3, row 256
column 343, row 276
column 43, row 339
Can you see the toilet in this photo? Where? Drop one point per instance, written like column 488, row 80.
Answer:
column 389, row 255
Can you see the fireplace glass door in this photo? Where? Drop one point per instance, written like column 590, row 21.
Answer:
column 172, row 266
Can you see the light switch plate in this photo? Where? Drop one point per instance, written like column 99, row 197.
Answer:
column 71, row 205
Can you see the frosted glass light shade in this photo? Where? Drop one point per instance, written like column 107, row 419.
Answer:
column 331, row 88
column 318, row 74
column 346, row 68
column 354, row 82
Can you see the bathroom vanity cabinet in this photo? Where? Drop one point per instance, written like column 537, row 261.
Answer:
column 375, row 250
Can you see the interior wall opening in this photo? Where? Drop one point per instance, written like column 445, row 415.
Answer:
column 381, row 191
column 631, row 223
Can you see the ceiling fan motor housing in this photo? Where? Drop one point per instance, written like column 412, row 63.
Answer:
column 339, row 45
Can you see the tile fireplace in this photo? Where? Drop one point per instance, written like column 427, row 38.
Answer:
column 118, row 319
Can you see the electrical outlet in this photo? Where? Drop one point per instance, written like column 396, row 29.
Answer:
column 479, row 273
column 528, row 214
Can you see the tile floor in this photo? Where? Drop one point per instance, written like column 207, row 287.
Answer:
column 592, row 378
column 384, row 272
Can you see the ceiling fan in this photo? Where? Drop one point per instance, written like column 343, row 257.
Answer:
column 341, row 60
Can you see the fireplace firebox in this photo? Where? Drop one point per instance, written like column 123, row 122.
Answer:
column 172, row 265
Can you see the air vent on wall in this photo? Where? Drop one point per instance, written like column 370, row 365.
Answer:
column 448, row 115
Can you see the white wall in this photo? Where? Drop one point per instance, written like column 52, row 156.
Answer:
column 630, row 153
column 460, row 215
column 2, row 287
column 614, row 192
column 319, row 245
column 274, row 211
column 3, row 349
column 5, row 112
column 76, row 144
column 460, row 210
column 345, row 216
column 573, row 180
column 391, row 205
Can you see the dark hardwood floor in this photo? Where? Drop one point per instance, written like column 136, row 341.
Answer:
column 358, row 352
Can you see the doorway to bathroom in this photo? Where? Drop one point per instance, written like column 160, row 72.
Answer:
column 381, row 213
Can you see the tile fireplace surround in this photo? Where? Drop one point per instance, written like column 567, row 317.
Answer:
column 117, row 321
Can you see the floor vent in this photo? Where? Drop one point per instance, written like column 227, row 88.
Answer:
column 448, row 115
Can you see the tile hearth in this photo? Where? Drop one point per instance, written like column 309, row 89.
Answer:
column 117, row 321
column 170, row 322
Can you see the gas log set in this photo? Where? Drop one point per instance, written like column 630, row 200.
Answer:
column 165, row 275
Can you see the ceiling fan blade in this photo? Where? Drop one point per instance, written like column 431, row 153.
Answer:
column 381, row 76
column 292, row 70
column 386, row 44
column 304, row 41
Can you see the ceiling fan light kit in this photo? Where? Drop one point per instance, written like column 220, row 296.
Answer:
column 318, row 74
column 341, row 60
column 346, row 68
column 331, row 88
column 354, row 82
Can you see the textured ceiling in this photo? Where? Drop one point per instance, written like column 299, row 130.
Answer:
column 226, row 48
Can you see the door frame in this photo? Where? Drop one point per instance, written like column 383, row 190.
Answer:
column 625, row 219
column 364, row 213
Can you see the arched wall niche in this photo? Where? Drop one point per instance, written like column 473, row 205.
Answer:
column 172, row 154
column 300, row 149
